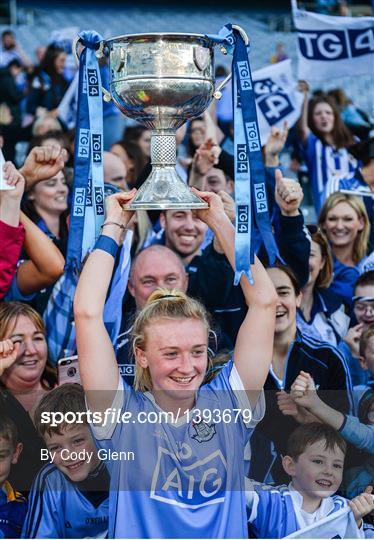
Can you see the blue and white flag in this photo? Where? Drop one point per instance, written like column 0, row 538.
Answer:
column 67, row 109
column 113, row 304
column 331, row 46
column 277, row 98
column 340, row 524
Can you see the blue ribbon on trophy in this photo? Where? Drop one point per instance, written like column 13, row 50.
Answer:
column 87, row 214
column 249, row 174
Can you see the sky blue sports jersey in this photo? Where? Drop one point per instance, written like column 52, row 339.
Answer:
column 187, row 479
column 58, row 509
column 276, row 512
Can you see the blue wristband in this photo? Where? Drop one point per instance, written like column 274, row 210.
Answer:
column 107, row 244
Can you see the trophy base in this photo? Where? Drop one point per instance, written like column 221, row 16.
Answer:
column 165, row 190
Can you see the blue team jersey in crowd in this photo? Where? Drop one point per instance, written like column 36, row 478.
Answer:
column 324, row 163
column 13, row 507
column 187, row 478
column 58, row 509
column 276, row 512
column 348, row 184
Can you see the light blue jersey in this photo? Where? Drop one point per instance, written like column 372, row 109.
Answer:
column 58, row 509
column 187, row 478
column 277, row 512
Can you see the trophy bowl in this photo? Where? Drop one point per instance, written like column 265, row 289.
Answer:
column 161, row 80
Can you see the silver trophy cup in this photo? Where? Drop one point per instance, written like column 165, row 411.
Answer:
column 161, row 81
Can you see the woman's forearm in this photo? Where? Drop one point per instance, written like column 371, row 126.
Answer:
column 97, row 361
column 46, row 257
column 10, row 212
column 302, row 126
column 262, row 292
column 95, row 278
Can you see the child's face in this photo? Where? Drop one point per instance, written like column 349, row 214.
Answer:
column 8, row 457
column 369, row 355
column 76, row 453
column 317, row 472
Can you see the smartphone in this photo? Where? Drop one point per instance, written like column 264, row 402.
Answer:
column 68, row 370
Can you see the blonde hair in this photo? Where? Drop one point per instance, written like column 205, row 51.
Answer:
column 163, row 304
column 361, row 241
column 9, row 313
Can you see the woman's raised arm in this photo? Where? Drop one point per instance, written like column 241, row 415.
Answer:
column 254, row 344
column 302, row 126
column 46, row 262
column 97, row 362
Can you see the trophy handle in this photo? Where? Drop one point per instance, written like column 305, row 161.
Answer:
column 217, row 94
column 99, row 53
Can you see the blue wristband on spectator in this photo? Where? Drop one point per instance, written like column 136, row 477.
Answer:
column 107, row 244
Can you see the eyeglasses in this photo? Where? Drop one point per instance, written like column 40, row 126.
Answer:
column 363, row 307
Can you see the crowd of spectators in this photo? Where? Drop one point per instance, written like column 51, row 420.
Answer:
column 318, row 376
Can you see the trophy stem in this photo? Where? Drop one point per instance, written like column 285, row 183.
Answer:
column 164, row 189
column 163, row 149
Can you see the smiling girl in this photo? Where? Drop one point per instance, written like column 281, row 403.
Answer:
column 187, row 479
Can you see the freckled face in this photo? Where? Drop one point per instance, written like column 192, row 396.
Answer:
column 176, row 355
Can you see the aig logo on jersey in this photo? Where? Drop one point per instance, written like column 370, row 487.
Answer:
column 187, row 481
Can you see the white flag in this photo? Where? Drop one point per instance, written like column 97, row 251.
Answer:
column 333, row 46
column 277, row 99
column 340, row 524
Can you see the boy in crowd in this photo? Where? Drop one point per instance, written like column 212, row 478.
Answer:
column 315, row 462
column 13, row 505
column 69, row 497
